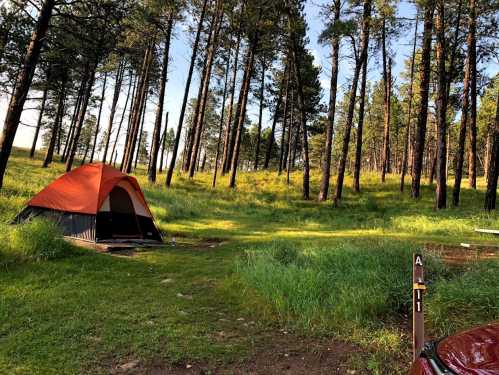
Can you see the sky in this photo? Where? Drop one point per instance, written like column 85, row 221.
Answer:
column 180, row 56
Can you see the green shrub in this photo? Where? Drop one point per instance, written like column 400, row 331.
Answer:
column 36, row 240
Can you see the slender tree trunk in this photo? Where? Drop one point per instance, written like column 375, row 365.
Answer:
column 441, row 193
column 55, row 126
column 39, row 122
column 221, row 125
column 386, row 138
column 81, row 117
column 212, row 50
column 358, row 146
column 228, row 131
column 74, row 118
column 351, row 106
column 23, row 84
column 138, row 108
column 159, row 113
column 458, row 174
column 423, row 105
column 97, row 126
column 117, row 90
column 326, row 166
column 290, row 137
column 473, row 93
column 493, row 171
column 141, row 131
column 405, row 156
column 114, row 151
column 163, row 144
column 270, row 144
column 173, row 161
column 243, row 99
column 260, row 116
column 284, row 120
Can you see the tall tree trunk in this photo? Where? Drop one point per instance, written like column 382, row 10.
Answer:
column 270, row 144
column 173, row 161
column 405, row 156
column 358, row 146
column 212, row 50
column 441, row 193
column 260, row 116
column 228, row 130
column 117, row 89
column 23, row 84
column 458, row 174
column 423, row 105
column 74, row 118
column 81, row 116
column 284, row 120
column 114, row 151
column 163, row 144
column 333, row 89
column 56, row 125
column 493, row 171
column 159, row 112
column 141, row 131
column 387, row 116
column 221, row 125
column 242, row 102
column 473, row 93
column 39, row 122
column 290, row 137
column 97, row 126
column 351, row 106
column 138, row 108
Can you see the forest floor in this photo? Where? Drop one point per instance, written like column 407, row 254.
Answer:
column 259, row 281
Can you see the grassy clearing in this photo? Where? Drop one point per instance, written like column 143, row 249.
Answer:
column 303, row 265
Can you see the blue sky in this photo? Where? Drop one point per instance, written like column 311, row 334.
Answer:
column 180, row 56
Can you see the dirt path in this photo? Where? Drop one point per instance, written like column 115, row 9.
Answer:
column 282, row 354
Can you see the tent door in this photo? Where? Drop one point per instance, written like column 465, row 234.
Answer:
column 124, row 220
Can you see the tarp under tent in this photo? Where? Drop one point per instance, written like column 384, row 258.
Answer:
column 95, row 203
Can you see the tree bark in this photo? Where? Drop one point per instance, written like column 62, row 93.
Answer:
column 163, row 144
column 260, row 116
column 55, row 126
column 405, row 156
column 270, row 144
column 23, row 84
column 74, row 118
column 159, row 112
column 212, row 50
column 333, row 89
column 387, row 116
column 423, row 105
column 351, row 106
column 113, row 151
column 284, row 120
column 358, row 146
column 493, row 171
column 220, row 128
column 141, row 130
column 173, row 161
column 473, row 94
column 441, row 193
column 97, row 126
column 290, row 137
column 117, row 90
column 39, row 122
column 81, row 116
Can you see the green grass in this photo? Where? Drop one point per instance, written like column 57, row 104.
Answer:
column 307, row 266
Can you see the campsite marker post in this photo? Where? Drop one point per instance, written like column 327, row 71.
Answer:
column 418, row 287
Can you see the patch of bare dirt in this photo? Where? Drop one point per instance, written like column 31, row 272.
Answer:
column 462, row 255
column 282, row 354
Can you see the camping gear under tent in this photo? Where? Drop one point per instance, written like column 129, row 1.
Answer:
column 95, row 203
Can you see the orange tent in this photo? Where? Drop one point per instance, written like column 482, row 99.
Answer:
column 96, row 203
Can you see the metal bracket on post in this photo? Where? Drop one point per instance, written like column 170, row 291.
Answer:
column 418, row 288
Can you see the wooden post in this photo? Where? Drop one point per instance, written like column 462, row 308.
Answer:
column 418, row 287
